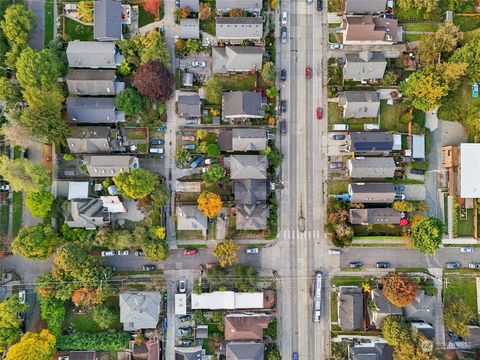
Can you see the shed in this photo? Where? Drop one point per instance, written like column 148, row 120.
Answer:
column 180, row 304
column 418, row 146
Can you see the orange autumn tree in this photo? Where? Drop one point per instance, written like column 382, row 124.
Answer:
column 399, row 290
column 209, row 203
column 152, row 7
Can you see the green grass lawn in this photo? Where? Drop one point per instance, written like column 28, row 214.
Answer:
column 335, row 75
column 209, row 26
column 77, row 31
column 189, row 234
column 17, row 152
column 425, row 26
column 337, row 186
column 332, row 38
column 49, row 25
column 144, row 18
column 335, row 5
column 359, row 124
column 389, row 117
column 365, row 230
column 412, row 37
column 334, row 114
column 334, row 25
column 17, row 212
column 465, row 227
column 4, row 211
column 463, row 286
column 84, row 321
column 467, row 23
column 333, row 307
column 347, row 281
column 237, row 82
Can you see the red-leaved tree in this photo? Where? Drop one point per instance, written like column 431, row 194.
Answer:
column 154, row 81
column 152, row 7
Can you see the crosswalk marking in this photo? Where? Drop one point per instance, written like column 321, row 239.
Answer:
column 295, row 234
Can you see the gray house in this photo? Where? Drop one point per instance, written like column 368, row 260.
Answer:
column 383, row 309
column 189, row 29
column 89, row 140
column 243, row 139
column 245, row 350
column 189, row 105
column 421, row 309
column 189, row 353
column 237, row 29
column 365, row 65
column 93, row 110
column 248, row 167
column 242, row 105
column 374, row 216
column 252, row 6
column 350, row 308
column 371, row 142
column 252, row 217
column 236, row 58
column 374, row 349
column 103, row 166
column 371, row 167
column 365, row 6
column 190, row 218
column 93, row 82
column 372, row 193
column 192, row 4
column 107, row 24
column 93, row 54
column 250, row 191
column 139, row 310
column 359, row 104
column 87, row 213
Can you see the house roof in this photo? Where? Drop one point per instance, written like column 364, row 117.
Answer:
column 89, row 140
column 350, row 308
column 371, row 141
column 374, row 216
column 371, row 193
column 107, row 20
column 374, row 350
column 245, row 327
column 371, row 167
column 93, row 54
column 248, row 167
column 245, row 351
column 418, row 146
column 192, row 4
column 383, row 305
column 370, row 29
column 201, row 332
column 108, row 165
column 250, row 191
column 249, row 139
column 93, row 110
column 189, row 105
column 189, row 217
column 365, row 6
column 224, row 140
column 421, row 309
column 78, row 190
column 425, row 329
column 113, row 204
column 188, row 186
column 252, row 217
column 360, row 104
column 228, row 300
column 365, row 65
column 237, row 58
column 86, row 213
column 92, row 82
column 188, row 353
column 189, row 28
column 239, row 28
column 252, row 5
column 242, row 104
column 139, row 310
column 469, row 170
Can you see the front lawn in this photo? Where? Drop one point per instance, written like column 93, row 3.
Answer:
column 17, row 204
column 335, row 5
column 465, row 227
column 421, row 26
column 49, row 25
column 144, row 18
column 347, row 281
column 335, row 115
column 467, row 23
column 4, row 211
column 337, row 186
column 461, row 285
column 189, row 234
column 333, row 307
column 76, row 31
column 209, row 26
column 332, row 38
column 377, row 230
column 237, row 82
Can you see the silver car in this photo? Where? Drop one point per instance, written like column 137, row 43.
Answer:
column 199, row 64
column 284, row 34
column 182, row 286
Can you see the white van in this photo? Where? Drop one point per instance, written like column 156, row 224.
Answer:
column 340, row 127
column 284, row 18
column 334, row 252
column 156, row 150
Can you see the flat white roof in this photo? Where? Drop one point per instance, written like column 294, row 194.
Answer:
column 77, row 190
column 227, row 300
column 180, row 304
column 418, row 146
column 470, row 171
column 249, row 300
column 397, row 142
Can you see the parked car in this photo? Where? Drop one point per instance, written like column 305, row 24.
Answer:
column 399, row 196
column 197, row 162
column 108, row 253
column 284, row 34
column 211, row 161
column 188, row 146
column 319, row 5
column 25, row 153
column 336, row 46
column 156, row 150
column 284, row 18
column 283, row 75
column 309, row 2
column 417, row 171
column 190, row 251
column 186, row 342
column 295, row 356
column 338, row 137
column 182, row 285
column 334, row 252
column 184, row 330
column 191, row 121
column 22, row 296
column 199, row 64
column 340, row 127
column 158, row 142
column 253, row 251
column 308, row 72
column 283, row 106
column 4, row 187
column 185, row 318
column 283, row 127
column 148, row 267
column 188, row 138
column 319, row 113
column 336, row 165
column 475, row 90
column 139, row 252
column 399, row 188
column 124, row 252
column 466, row 250
column 453, row 265
column 356, row 264
column 383, row 265
column 474, row 265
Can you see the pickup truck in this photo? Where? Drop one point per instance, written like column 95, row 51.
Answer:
column 197, row 162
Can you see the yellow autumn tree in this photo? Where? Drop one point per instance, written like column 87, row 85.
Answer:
column 33, row 346
column 160, row 232
column 209, row 203
column 85, row 11
column 226, row 253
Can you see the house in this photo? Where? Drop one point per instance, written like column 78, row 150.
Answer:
column 350, row 308
column 229, row 300
column 250, row 191
column 370, row 348
column 189, row 28
column 189, row 353
column 113, row 204
column 243, row 139
column 190, row 218
column 463, row 165
column 201, row 332
column 371, row 193
column 383, row 309
column 139, row 310
column 365, row 65
column 237, row 29
column 89, row 140
column 146, row 350
column 360, row 104
column 425, row 329
column 93, row 82
column 245, row 350
column 371, row 142
column 374, row 216
column 237, row 58
column 252, row 6
column 107, row 25
column 93, row 54
column 93, row 110
column 365, row 6
column 252, row 217
column 191, row 4
column 242, row 105
column 245, row 327
column 189, row 105
column 417, row 146
column 421, row 309
column 102, row 166
column 248, row 167
column 370, row 30
column 371, row 167
column 87, row 213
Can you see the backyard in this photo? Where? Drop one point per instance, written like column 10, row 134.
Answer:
column 465, row 226
column 76, row 31
column 420, row 26
column 467, row 23
column 4, row 211
column 236, row 82
column 390, row 117
column 462, row 284
column 84, row 321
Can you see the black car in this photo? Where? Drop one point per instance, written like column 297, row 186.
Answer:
column 319, row 5
column 338, row 137
column 283, row 106
column 283, row 75
column 139, row 252
column 148, row 267
column 185, row 318
column 453, row 265
column 356, row 264
column 417, row 171
column 184, row 330
column 283, row 127
column 383, row 265
column 158, row 142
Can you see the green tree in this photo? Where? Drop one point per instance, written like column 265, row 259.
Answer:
column 273, row 354
column 269, row 72
column 193, row 46
column 181, row 155
column 457, row 316
column 153, row 48
column 38, row 69
column 420, row 5
column 469, row 54
column 155, row 249
column 244, row 277
column 427, row 234
column 46, row 123
column 445, row 40
column 395, row 330
column 10, row 321
column 38, row 98
column 33, row 346
column 135, row 184
column 213, row 90
column 104, row 317
column 271, row 92
column 52, row 310
column 102, row 341
column 129, row 101
column 214, row 174
column 389, row 79
column 36, row 242
column 9, row 91
column 39, row 203
column 213, row 150
column 274, row 156
column 23, row 175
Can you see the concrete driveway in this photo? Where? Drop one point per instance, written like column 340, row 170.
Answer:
column 415, row 192
column 202, row 72
column 337, row 147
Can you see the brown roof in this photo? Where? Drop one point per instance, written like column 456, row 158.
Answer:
column 239, row 327
column 370, row 28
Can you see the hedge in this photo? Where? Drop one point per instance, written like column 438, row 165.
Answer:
column 102, row 341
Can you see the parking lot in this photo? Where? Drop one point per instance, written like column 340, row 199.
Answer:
column 337, row 147
column 202, row 72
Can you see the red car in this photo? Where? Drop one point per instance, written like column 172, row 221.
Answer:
column 188, row 138
column 190, row 251
column 319, row 113
column 308, row 72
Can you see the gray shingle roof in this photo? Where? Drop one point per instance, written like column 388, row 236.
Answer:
column 192, row 4
column 364, row 66
column 247, row 5
column 249, row 139
column 189, row 29
column 421, row 309
column 242, row 104
column 93, row 110
column 371, row 141
column 92, row 82
column 237, row 58
column 86, row 213
column 139, row 310
column 189, row 217
column 107, row 24
column 248, row 167
column 245, row 351
column 249, row 191
column 360, row 104
column 252, row 217
column 350, row 308
column 371, row 193
column 108, row 165
column 239, row 28
column 93, row 54
column 364, row 6
column 188, row 353
column 371, row 167
column 373, row 216
column 89, row 140
column 189, row 105
column 370, row 351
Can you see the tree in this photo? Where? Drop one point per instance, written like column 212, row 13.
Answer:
column 85, row 11
column 33, row 346
column 152, row 47
column 36, row 242
column 46, row 123
column 185, row 12
column 204, row 11
column 135, row 184
column 389, row 79
column 155, row 249
column 152, row 7
column 38, row 98
column 457, row 316
column 209, row 203
column 38, row 69
column 9, row 91
column 412, row 351
column 52, row 310
column 104, row 317
column 39, row 203
column 214, row 174
column 273, row 354
column 469, row 54
column 271, row 92
column 129, row 101
column 274, row 156
column 236, row 13
column 226, row 252
column 181, row 155
column 395, row 330
column 89, row 296
column 213, row 150
column 10, row 321
column 193, row 46
column 101, row 341
column 23, row 175
column 399, row 290
column 403, row 205
column 154, row 81
column 427, row 234
column 244, row 277
column 269, row 72
column 17, row 135
column 273, row 4
column 213, row 90
column 420, row 5
column 201, row 134
column 432, row 46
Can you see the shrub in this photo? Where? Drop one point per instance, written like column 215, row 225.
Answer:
column 102, row 341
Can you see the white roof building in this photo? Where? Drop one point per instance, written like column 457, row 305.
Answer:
column 78, row 190
column 113, row 204
column 180, row 304
column 227, row 300
column 469, row 171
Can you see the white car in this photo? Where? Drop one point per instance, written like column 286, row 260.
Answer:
column 123, row 252
column 4, row 187
column 108, row 253
column 473, row 265
column 22, row 296
column 253, row 251
column 182, row 286
column 336, row 46
column 199, row 64
column 334, row 252
column 284, row 18
column 466, row 250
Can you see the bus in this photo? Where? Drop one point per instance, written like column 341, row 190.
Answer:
column 317, row 297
